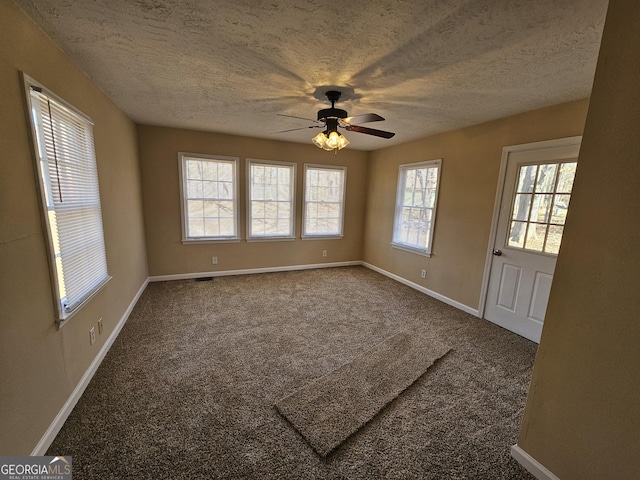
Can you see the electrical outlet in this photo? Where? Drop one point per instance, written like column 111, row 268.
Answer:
column 100, row 326
column 324, row 253
column 92, row 336
column 423, row 274
column 214, row 260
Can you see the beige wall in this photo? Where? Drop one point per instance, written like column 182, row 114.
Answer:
column 167, row 255
column 469, row 177
column 582, row 419
column 40, row 365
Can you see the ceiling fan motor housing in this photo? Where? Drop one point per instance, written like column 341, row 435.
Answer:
column 326, row 113
column 333, row 96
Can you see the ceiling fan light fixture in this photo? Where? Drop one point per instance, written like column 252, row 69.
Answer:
column 332, row 141
column 332, row 118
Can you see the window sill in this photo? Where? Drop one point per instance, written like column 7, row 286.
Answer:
column 188, row 241
column 409, row 249
column 322, row 237
column 61, row 322
column 270, row 239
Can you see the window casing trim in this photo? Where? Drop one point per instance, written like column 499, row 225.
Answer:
column 293, row 182
column 186, row 239
column 323, row 236
column 402, row 169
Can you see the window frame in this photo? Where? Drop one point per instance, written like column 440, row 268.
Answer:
column 311, row 236
column 66, row 308
column 186, row 239
column 292, row 220
column 397, row 219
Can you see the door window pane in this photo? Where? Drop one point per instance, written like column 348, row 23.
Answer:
column 560, row 206
column 526, row 177
column 521, row 206
column 540, row 209
column 553, row 239
column 535, row 237
column 567, row 174
column 516, row 234
column 546, row 178
column 539, row 206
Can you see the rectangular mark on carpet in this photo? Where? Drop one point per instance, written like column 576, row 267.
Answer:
column 331, row 408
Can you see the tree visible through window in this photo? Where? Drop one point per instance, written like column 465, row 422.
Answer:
column 209, row 196
column 271, row 199
column 324, row 189
column 416, row 206
column 540, row 205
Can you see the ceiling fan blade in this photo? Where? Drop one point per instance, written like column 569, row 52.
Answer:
column 299, row 118
column 299, row 128
column 364, row 118
column 370, row 131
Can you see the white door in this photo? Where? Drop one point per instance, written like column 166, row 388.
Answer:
column 537, row 187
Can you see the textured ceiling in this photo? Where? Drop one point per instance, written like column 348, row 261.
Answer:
column 427, row 66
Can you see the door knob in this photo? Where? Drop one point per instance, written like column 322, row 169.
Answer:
column 497, row 253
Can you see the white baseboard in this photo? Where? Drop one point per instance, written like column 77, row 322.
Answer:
column 534, row 467
column 249, row 271
column 420, row 288
column 64, row 413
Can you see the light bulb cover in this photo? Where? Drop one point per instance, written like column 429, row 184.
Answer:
column 342, row 142
column 319, row 140
column 334, row 140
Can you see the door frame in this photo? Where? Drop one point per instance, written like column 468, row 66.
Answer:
column 506, row 151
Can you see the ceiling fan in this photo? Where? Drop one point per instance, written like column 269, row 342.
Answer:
column 332, row 118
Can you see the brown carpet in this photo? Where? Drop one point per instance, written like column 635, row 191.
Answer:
column 188, row 389
column 331, row 408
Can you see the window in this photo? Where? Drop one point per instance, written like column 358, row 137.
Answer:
column 66, row 166
column 539, row 206
column 323, row 201
column 271, row 199
column 209, row 197
column 416, row 206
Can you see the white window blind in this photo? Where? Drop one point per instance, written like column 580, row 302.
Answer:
column 71, row 199
column 323, row 201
